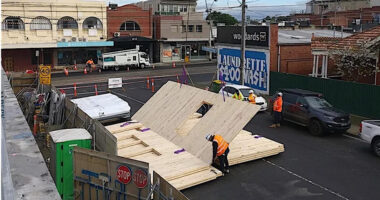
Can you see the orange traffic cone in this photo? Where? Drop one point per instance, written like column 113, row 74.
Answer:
column 147, row 82
column 85, row 70
column 66, row 71
column 177, row 79
column 75, row 67
column 173, row 65
column 96, row 89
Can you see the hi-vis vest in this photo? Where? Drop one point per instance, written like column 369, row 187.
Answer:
column 252, row 99
column 277, row 105
column 222, row 145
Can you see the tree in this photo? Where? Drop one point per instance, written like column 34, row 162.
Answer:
column 218, row 17
column 354, row 63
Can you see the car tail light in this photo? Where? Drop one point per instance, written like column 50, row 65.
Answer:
column 360, row 127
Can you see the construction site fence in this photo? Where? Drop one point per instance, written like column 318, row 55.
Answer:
column 74, row 117
column 355, row 98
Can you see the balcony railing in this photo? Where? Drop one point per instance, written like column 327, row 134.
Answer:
column 167, row 13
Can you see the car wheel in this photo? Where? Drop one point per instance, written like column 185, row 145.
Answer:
column 376, row 146
column 142, row 66
column 315, row 127
column 117, row 68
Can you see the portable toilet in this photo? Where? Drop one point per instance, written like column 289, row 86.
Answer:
column 61, row 159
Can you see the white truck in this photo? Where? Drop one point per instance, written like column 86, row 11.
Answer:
column 370, row 132
column 124, row 58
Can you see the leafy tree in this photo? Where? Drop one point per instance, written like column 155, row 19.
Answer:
column 218, row 17
column 354, row 63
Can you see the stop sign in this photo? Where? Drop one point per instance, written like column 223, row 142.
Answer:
column 123, row 174
column 140, row 178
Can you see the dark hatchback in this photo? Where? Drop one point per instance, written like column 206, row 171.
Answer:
column 310, row 109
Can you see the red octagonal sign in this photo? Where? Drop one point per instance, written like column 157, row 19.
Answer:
column 140, row 178
column 123, row 174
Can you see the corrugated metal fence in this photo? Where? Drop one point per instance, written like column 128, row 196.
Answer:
column 355, row 98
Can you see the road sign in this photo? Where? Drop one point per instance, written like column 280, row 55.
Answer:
column 124, row 174
column 115, row 82
column 140, row 178
column 45, row 75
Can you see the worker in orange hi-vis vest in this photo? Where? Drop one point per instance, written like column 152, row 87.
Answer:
column 277, row 109
column 89, row 64
column 251, row 97
column 220, row 150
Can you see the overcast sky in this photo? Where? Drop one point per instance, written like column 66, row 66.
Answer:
column 257, row 9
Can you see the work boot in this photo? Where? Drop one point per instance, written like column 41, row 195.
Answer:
column 278, row 125
column 272, row 126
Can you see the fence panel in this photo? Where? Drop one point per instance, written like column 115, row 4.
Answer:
column 355, row 98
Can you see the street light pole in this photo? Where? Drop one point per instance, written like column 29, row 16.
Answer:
column 242, row 56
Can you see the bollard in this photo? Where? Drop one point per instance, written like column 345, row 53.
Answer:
column 75, row 90
column 35, row 125
column 152, row 85
column 147, row 82
column 96, row 89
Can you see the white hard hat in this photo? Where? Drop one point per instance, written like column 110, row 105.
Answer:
column 251, row 92
column 280, row 94
column 208, row 136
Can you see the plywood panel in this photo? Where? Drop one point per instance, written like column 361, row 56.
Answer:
column 171, row 107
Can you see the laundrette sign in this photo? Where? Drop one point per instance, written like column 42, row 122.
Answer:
column 256, row 69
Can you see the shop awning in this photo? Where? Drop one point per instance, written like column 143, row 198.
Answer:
column 85, row 44
column 131, row 39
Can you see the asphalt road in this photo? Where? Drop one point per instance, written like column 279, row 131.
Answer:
column 330, row 167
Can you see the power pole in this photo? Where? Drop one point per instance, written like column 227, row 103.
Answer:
column 242, row 56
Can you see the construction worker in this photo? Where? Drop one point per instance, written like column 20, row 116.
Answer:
column 89, row 64
column 277, row 109
column 237, row 96
column 220, row 150
column 251, row 97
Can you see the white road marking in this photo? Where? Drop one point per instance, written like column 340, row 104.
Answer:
column 129, row 98
column 355, row 138
column 307, row 180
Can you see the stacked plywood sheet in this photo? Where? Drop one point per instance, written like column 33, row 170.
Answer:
column 174, row 124
column 169, row 110
column 181, row 169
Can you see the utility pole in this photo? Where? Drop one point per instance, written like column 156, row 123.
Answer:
column 242, row 60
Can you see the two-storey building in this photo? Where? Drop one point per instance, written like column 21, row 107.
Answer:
column 52, row 32
column 130, row 26
column 179, row 30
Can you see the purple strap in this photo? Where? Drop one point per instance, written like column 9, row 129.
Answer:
column 179, row 151
column 257, row 136
column 125, row 124
column 145, row 129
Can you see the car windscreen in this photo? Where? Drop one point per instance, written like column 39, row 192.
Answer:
column 317, row 102
column 245, row 92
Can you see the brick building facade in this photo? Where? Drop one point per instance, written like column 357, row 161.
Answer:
column 129, row 13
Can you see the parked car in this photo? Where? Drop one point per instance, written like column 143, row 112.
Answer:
column 310, row 109
column 230, row 89
column 370, row 132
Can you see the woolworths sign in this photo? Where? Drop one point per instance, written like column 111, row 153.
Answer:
column 256, row 68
